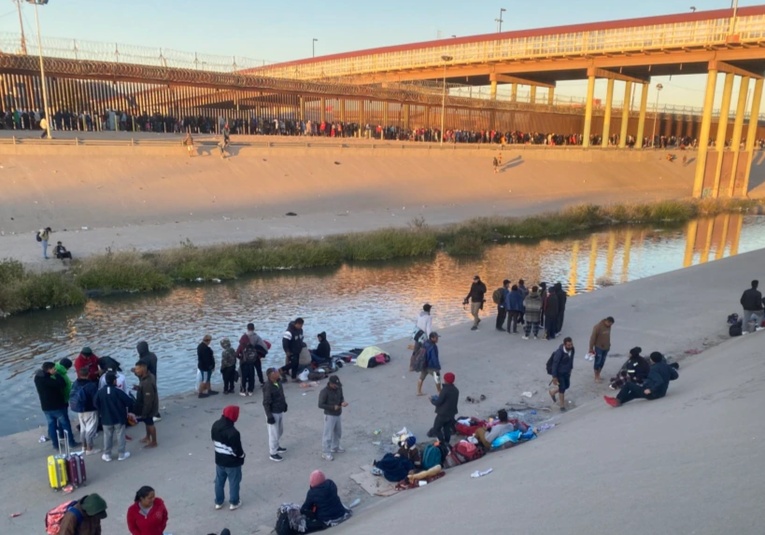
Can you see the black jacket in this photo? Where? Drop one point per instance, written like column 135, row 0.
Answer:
column 751, row 299
column 323, row 503
column 562, row 364
column 446, row 403
column 205, row 358
column 274, row 401
column 637, row 368
column 50, row 389
column 113, row 405
column 292, row 340
column 323, row 350
column 476, row 293
column 227, row 443
column 551, row 305
column 147, row 356
column 658, row 379
column 330, row 398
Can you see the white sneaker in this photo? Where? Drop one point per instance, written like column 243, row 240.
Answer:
column 338, row 450
column 124, row 456
column 218, row 507
column 525, row 337
column 327, row 457
column 233, row 507
column 243, row 394
column 106, row 458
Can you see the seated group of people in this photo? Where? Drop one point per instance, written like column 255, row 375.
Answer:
column 640, row 379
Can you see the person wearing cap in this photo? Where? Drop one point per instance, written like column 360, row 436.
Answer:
column 109, row 364
column 275, row 405
column 600, row 343
column 322, row 506
column 229, row 457
column 432, row 363
column 147, row 402
column 331, row 401
column 476, row 299
column 446, row 409
column 407, row 448
column 113, row 406
column 84, row 517
column 62, row 368
column 89, row 359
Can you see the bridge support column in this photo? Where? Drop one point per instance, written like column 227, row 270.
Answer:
column 706, row 126
column 588, row 110
column 641, row 116
column 405, row 113
column 625, row 114
column 323, row 112
column 386, row 109
column 607, row 116
column 550, row 96
column 738, row 128
column 302, row 109
column 514, row 93
column 722, row 130
column 362, row 118
column 751, row 134
column 533, row 94
column 493, row 90
column 342, row 110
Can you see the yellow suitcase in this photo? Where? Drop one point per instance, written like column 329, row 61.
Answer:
column 57, row 469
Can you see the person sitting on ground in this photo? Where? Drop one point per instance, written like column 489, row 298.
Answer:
column 84, row 517
column 407, row 449
column 61, row 252
column 654, row 387
column 148, row 514
column 634, row 370
column 322, row 506
column 487, row 436
column 321, row 354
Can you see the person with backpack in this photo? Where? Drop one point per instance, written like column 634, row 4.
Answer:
column 83, row 517
column 514, row 308
column 751, row 301
column 476, row 299
column 654, row 387
column 228, row 366
column 43, row 235
column 446, row 409
column 432, row 364
column 81, row 403
column 498, row 296
column 113, row 406
column 532, row 306
column 560, row 368
column 229, row 457
column 292, row 343
column 251, row 350
column 148, row 514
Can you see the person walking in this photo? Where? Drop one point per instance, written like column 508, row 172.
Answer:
column 331, row 401
column 228, row 366
column 476, row 299
column 275, row 405
column 44, row 235
column 514, row 307
column 499, row 296
column 229, row 458
column 292, row 343
column 205, row 365
column 50, row 389
column 654, row 387
column 532, row 306
column 562, row 366
column 81, row 402
column 446, row 409
column 148, row 514
column 432, row 364
column 751, row 301
column 113, row 406
column 84, row 517
column 252, row 348
column 600, row 344
column 147, row 403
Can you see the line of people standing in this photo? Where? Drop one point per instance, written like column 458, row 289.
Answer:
column 535, row 309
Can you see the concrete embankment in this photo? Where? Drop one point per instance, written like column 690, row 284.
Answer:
column 673, row 457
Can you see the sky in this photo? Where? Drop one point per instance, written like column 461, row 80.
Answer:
column 284, row 30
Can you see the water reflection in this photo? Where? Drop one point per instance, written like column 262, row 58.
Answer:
column 356, row 305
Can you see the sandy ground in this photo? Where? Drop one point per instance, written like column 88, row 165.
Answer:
column 152, row 196
column 673, row 457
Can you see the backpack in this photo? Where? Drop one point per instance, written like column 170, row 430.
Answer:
column 497, row 296
column 77, row 399
column 283, row 524
column 431, row 457
column 468, row 450
column 736, row 329
column 54, row 517
column 249, row 354
column 549, row 364
column 38, row 237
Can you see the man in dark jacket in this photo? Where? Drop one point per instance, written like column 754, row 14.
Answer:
column 275, row 405
column 229, row 457
column 501, row 310
column 206, row 366
column 81, row 403
column 654, row 387
column 322, row 506
column 751, row 300
column 251, row 350
column 551, row 314
column 147, row 403
column 562, row 365
column 50, row 389
column 446, row 409
column 113, row 406
column 514, row 307
column 331, row 401
column 151, row 364
column 476, row 298
column 292, row 343
column 432, row 363
column 562, row 297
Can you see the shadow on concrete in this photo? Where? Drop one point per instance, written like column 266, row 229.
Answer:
column 515, row 162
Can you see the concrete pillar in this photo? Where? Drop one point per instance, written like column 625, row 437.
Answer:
column 493, row 90
column 550, row 96
column 386, row 109
column 406, row 116
column 722, row 130
column 588, row 111
column 607, row 116
column 738, row 128
column 751, row 133
column 625, row 114
column 342, row 110
column 323, row 112
column 533, row 94
column 706, row 126
column 302, row 108
column 641, row 117
column 514, row 93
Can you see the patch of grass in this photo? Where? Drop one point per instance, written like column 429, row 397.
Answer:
column 121, row 272
column 22, row 290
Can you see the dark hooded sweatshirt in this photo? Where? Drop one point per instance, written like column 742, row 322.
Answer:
column 147, row 356
column 323, row 502
column 226, row 440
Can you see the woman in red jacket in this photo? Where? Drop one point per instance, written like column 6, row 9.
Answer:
column 148, row 515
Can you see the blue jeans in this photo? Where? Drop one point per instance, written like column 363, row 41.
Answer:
column 59, row 419
column 600, row 359
column 234, row 476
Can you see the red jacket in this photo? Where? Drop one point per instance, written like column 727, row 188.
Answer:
column 91, row 362
column 153, row 524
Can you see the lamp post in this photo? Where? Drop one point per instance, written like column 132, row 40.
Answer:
column 734, row 7
column 659, row 87
column 499, row 21
column 445, row 59
column 42, row 66
column 313, row 47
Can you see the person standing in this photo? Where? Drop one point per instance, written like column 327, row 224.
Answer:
column 229, row 458
column 81, row 402
column 331, row 401
column 499, row 296
column 228, row 366
column 562, row 366
column 446, row 409
column 476, row 299
column 151, row 363
column 44, row 235
column 205, row 365
column 751, row 301
column 551, row 314
column 147, row 403
column 84, row 517
column 252, row 348
column 514, row 306
column 654, row 387
column 432, row 364
column 50, row 389
column 148, row 514
column 532, row 306
column 88, row 359
column 292, row 343
column 113, row 406
column 62, row 368
column 600, row 344
column 562, row 298
column 275, row 405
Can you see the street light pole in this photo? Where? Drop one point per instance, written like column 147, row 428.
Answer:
column 445, row 59
column 42, row 67
column 499, row 21
column 313, row 48
column 21, row 25
column 659, row 87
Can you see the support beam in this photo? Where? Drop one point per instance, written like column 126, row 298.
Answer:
column 706, row 126
column 727, row 68
column 514, row 93
column 323, row 111
column 342, row 110
column 625, row 114
column 738, row 128
column 588, row 111
column 302, row 108
column 641, row 117
column 722, row 130
column 533, row 95
column 505, row 79
column 751, row 134
column 610, row 75
column 551, row 96
column 493, row 90
column 406, row 112
column 607, row 115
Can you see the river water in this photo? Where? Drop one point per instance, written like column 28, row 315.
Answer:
column 357, row 305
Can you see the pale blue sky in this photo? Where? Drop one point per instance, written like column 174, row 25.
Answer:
column 283, row 30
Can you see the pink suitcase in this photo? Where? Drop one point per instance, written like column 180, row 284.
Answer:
column 75, row 465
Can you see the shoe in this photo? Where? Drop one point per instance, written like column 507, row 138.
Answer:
column 75, row 445
column 524, row 337
column 200, row 396
column 553, row 396
column 276, row 458
column 91, row 452
column 535, row 338
column 106, row 458
column 124, row 456
column 338, row 450
column 218, row 506
column 250, row 393
column 563, row 409
column 213, row 392
column 158, row 418
column 234, row 507
column 327, row 457
column 473, row 328
column 243, row 394
column 225, row 392
column 280, row 449
column 611, row 401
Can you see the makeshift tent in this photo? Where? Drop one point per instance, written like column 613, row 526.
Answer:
column 368, row 355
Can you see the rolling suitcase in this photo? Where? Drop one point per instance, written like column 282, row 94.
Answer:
column 75, row 465
column 57, row 469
